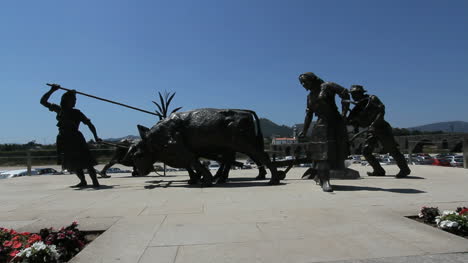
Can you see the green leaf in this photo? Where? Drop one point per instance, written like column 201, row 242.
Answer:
column 176, row 109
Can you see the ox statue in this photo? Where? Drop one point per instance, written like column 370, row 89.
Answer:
column 184, row 137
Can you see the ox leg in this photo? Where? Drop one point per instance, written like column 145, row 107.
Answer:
column 263, row 158
column 194, row 176
column 103, row 172
column 219, row 173
column 202, row 170
column 261, row 172
column 224, row 173
column 134, row 172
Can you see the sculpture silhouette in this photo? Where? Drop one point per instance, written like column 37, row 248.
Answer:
column 73, row 152
column 329, row 135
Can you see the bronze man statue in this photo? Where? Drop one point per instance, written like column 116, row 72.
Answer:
column 369, row 113
column 329, row 136
column 73, row 152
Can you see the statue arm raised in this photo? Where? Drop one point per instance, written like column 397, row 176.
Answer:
column 45, row 99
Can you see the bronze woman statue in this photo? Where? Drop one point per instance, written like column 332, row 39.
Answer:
column 329, row 137
column 73, row 152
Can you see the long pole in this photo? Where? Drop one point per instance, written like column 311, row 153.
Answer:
column 106, row 100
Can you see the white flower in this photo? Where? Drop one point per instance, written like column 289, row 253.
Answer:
column 26, row 253
column 448, row 212
column 447, row 224
column 420, row 215
column 39, row 245
column 437, row 219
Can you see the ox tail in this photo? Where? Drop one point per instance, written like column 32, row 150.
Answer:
column 258, row 129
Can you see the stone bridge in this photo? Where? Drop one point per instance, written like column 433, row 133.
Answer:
column 451, row 142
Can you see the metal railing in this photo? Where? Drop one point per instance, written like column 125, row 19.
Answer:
column 28, row 158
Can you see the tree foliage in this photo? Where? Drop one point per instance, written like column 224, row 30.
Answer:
column 163, row 104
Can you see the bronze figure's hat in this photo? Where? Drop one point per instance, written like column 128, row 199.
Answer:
column 357, row 88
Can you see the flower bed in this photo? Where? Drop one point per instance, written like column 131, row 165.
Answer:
column 455, row 222
column 47, row 246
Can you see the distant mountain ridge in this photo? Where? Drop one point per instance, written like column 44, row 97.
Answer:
column 270, row 128
column 448, row 126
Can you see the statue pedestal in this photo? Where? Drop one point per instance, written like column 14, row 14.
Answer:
column 344, row 174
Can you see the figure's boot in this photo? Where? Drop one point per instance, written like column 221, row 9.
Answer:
column 80, row 176
column 311, row 173
column 378, row 170
column 104, row 174
column 403, row 165
column 93, row 176
column 324, row 181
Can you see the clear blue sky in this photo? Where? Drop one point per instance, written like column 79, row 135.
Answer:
column 228, row 54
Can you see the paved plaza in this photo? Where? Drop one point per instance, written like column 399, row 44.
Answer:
column 163, row 219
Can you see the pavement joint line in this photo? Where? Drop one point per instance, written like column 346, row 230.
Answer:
column 139, row 214
column 177, row 254
column 144, row 251
column 149, row 240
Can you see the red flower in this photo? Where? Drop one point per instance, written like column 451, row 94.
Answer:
column 25, row 233
column 464, row 211
column 34, row 238
column 7, row 243
column 13, row 254
column 16, row 244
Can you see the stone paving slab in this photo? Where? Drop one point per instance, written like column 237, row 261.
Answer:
column 163, row 219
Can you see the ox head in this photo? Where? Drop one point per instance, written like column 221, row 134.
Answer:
column 141, row 154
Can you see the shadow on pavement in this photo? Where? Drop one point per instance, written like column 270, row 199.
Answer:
column 90, row 187
column 368, row 188
column 408, row 177
column 184, row 183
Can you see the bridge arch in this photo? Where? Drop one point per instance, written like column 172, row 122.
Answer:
column 419, row 146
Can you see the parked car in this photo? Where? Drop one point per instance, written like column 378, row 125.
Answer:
column 355, row 158
column 386, row 161
column 213, row 166
column 457, row 162
column 246, row 166
column 426, row 160
column 47, row 171
column 16, row 173
column 158, row 168
column 443, row 155
column 117, row 170
column 423, row 155
column 441, row 162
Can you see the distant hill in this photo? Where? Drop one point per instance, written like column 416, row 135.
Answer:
column 449, row 126
column 270, row 128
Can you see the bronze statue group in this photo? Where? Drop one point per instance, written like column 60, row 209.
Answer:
column 329, row 136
